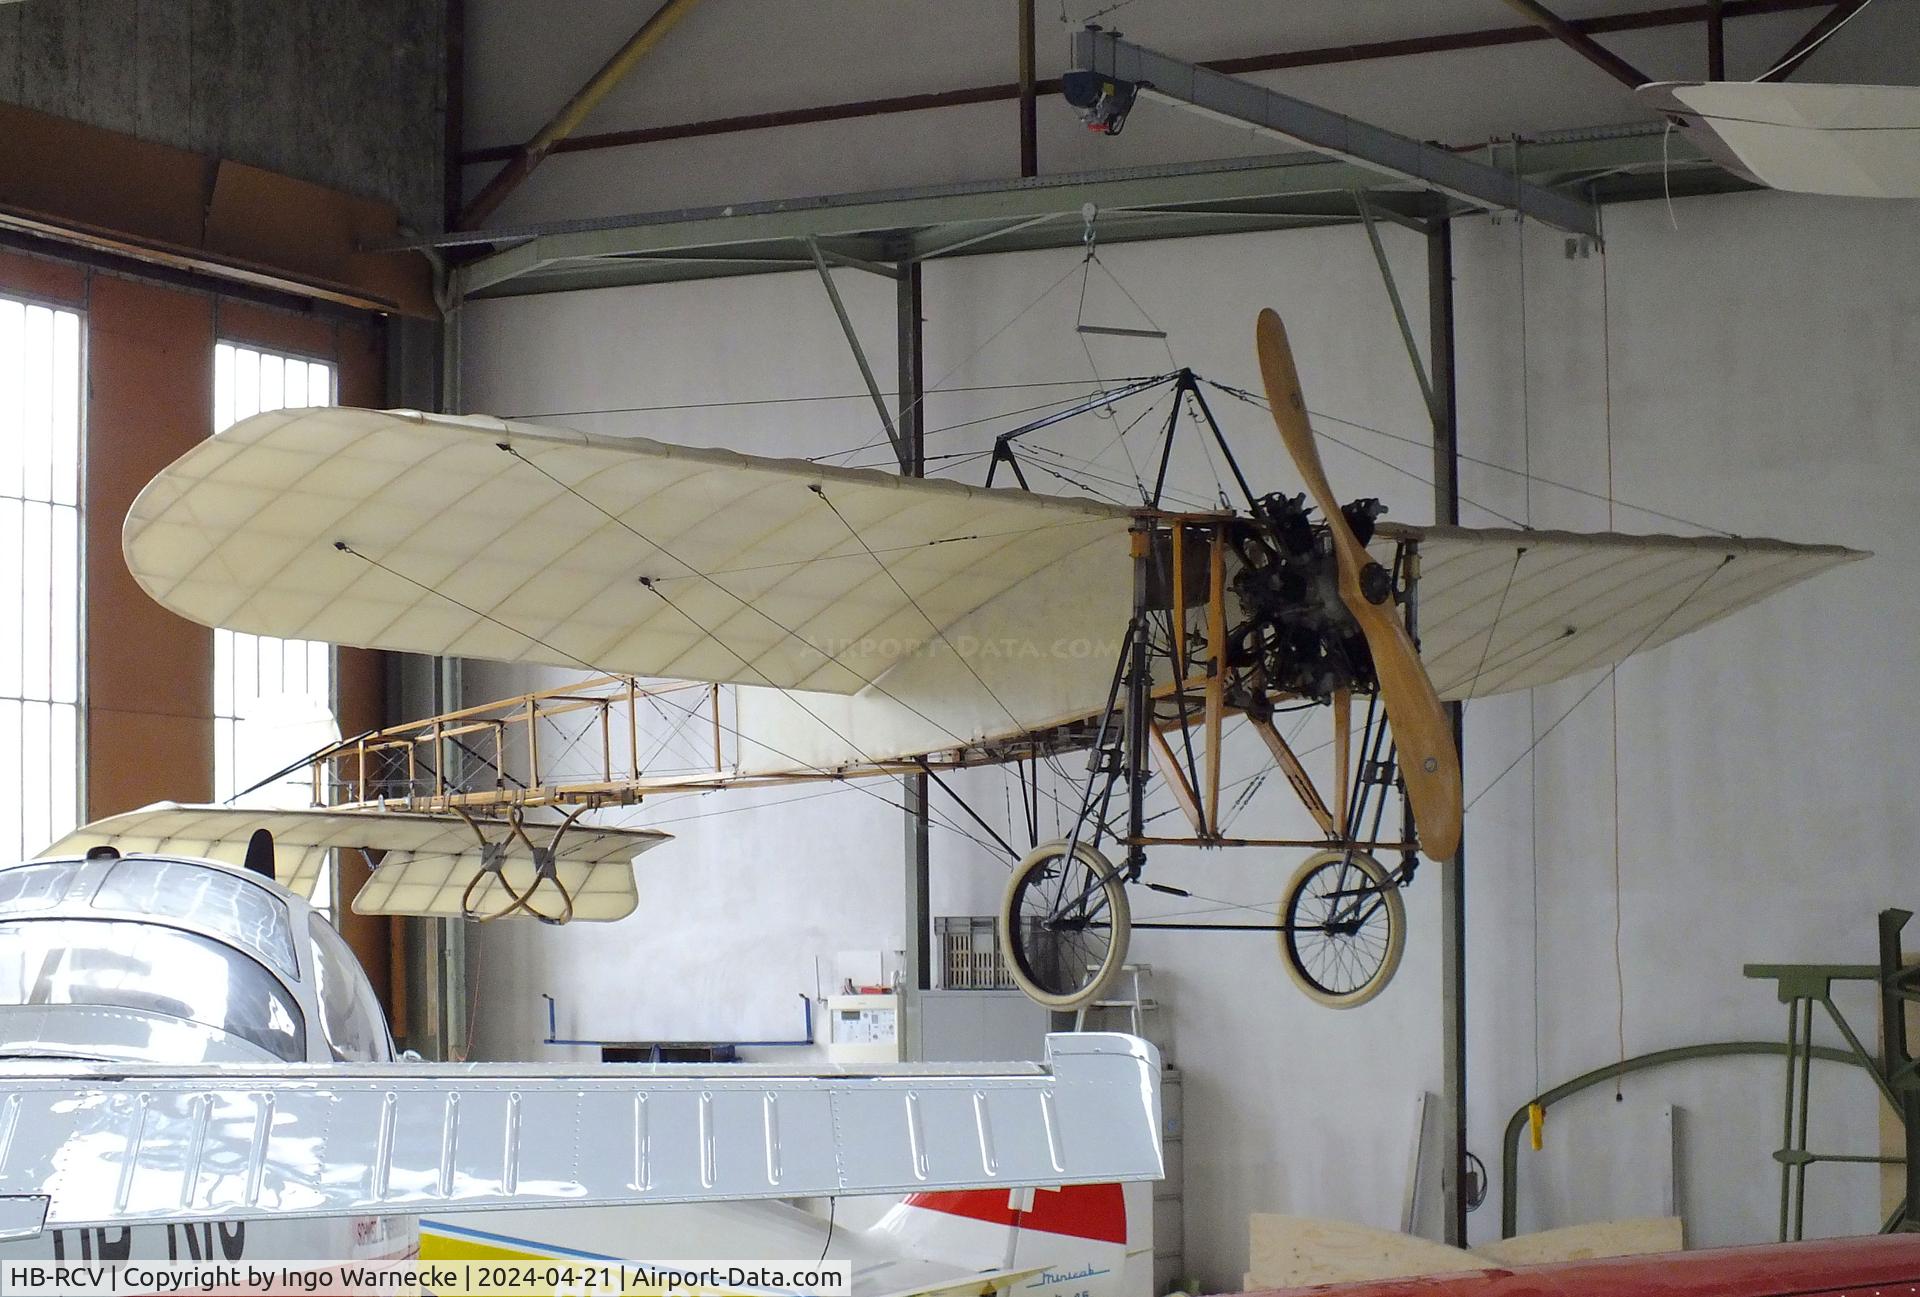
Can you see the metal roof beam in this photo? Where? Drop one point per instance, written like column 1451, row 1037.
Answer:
column 1219, row 197
column 1331, row 134
column 568, row 119
column 1582, row 44
column 1815, row 37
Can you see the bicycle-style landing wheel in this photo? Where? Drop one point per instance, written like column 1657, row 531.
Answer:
column 1343, row 928
column 1064, row 923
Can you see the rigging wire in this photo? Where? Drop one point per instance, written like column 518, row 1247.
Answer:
column 1473, row 684
column 1526, row 473
column 1613, row 679
column 1249, row 398
column 1532, row 479
column 1206, row 451
column 1118, row 439
column 585, row 665
column 784, row 400
column 932, row 625
column 1533, row 725
column 887, row 549
column 966, row 360
column 750, row 806
column 786, row 631
column 1124, row 388
column 887, row 457
column 1595, row 686
column 1086, row 470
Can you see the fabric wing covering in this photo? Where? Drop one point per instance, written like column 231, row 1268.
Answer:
column 477, row 537
column 1501, row 610
column 427, row 862
column 865, row 617
column 1853, row 141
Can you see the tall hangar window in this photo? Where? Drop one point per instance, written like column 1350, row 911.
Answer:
column 272, row 698
column 40, row 397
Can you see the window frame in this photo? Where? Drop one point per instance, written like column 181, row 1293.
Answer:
column 28, row 300
column 227, row 722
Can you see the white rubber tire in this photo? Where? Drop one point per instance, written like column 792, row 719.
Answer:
column 1378, row 876
column 1121, row 925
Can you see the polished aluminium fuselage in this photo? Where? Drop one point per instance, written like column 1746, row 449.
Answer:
column 148, row 959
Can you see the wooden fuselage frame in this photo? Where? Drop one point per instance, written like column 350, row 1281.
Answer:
column 1198, row 691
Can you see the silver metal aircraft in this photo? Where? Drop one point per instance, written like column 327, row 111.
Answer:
column 194, row 1067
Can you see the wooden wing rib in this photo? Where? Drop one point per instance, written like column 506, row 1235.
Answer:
column 1501, row 610
column 475, row 537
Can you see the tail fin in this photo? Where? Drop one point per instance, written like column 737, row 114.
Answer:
column 1096, row 1238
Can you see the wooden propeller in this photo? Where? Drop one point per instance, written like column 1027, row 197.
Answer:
column 1422, row 732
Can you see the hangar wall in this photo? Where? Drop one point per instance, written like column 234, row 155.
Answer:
column 1761, row 763
column 148, row 352
column 1748, row 832
column 350, row 94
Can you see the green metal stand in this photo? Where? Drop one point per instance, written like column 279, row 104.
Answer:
column 1896, row 1072
column 1899, row 1072
column 1800, row 987
column 1517, row 1124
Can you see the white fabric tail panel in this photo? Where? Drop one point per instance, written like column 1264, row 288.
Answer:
column 435, row 887
column 476, row 537
column 125, row 1145
column 595, row 862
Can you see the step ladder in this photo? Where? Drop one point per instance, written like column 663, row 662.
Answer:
column 1134, row 1001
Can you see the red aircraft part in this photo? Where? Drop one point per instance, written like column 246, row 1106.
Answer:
column 1090, row 1211
column 1877, row 1266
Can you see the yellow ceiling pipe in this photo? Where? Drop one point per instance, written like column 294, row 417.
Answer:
column 563, row 124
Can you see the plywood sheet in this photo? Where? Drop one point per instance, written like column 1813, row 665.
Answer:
column 1587, row 1242
column 1300, row 1251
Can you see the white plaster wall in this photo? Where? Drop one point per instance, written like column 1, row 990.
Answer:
column 1763, row 379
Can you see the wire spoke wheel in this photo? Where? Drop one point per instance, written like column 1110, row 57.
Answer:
column 1343, row 928
column 1064, row 924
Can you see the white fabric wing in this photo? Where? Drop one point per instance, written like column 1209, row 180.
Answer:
column 1507, row 609
column 476, row 537
column 1849, row 140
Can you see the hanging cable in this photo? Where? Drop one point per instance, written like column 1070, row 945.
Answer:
column 1613, row 679
column 1800, row 54
column 1533, row 754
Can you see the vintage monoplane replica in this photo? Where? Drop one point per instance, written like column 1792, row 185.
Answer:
column 867, row 626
